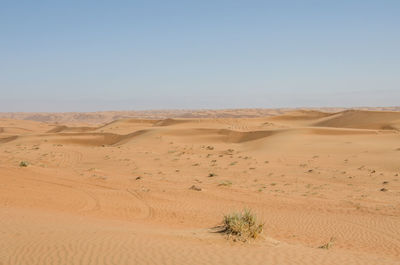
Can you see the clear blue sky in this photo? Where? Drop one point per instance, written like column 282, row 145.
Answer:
column 113, row 55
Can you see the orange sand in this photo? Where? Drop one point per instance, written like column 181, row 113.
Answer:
column 309, row 175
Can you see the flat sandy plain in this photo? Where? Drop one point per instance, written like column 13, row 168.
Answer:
column 109, row 189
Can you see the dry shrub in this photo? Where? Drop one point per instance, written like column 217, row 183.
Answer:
column 242, row 225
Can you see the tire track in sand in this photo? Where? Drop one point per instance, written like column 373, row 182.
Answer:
column 147, row 212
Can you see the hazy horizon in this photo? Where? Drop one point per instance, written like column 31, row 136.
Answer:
column 132, row 55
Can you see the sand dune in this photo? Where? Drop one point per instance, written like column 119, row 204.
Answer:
column 70, row 129
column 302, row 115
column 231, row 136
column 378, row 120
column 169, row 122
column 118, row 191
column 102, row 117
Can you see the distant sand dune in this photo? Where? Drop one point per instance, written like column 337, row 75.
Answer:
column 71, row 129
column 302, row 115
column 169, row 122
column 377, row 120
column 104, row 117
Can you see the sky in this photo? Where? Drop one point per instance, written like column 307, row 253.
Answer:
column 58, row 56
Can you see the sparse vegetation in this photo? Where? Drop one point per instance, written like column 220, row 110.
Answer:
column 196, row 188
column 225, row 183
column 23, row 164
column 329, row 244
column 242, row 225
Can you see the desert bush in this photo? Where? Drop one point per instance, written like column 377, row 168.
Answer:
column 242, row 225
column 23, row 164
column 225, row 183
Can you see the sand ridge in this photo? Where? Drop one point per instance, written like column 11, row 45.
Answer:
column 103, row 117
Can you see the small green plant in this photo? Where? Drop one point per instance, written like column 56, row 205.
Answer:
column 242, row 225
column 225, row 183
column 196, row 188
column 23, row 164
column 329, row 244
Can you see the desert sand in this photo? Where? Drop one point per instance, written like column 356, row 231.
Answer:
column 112, row 189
